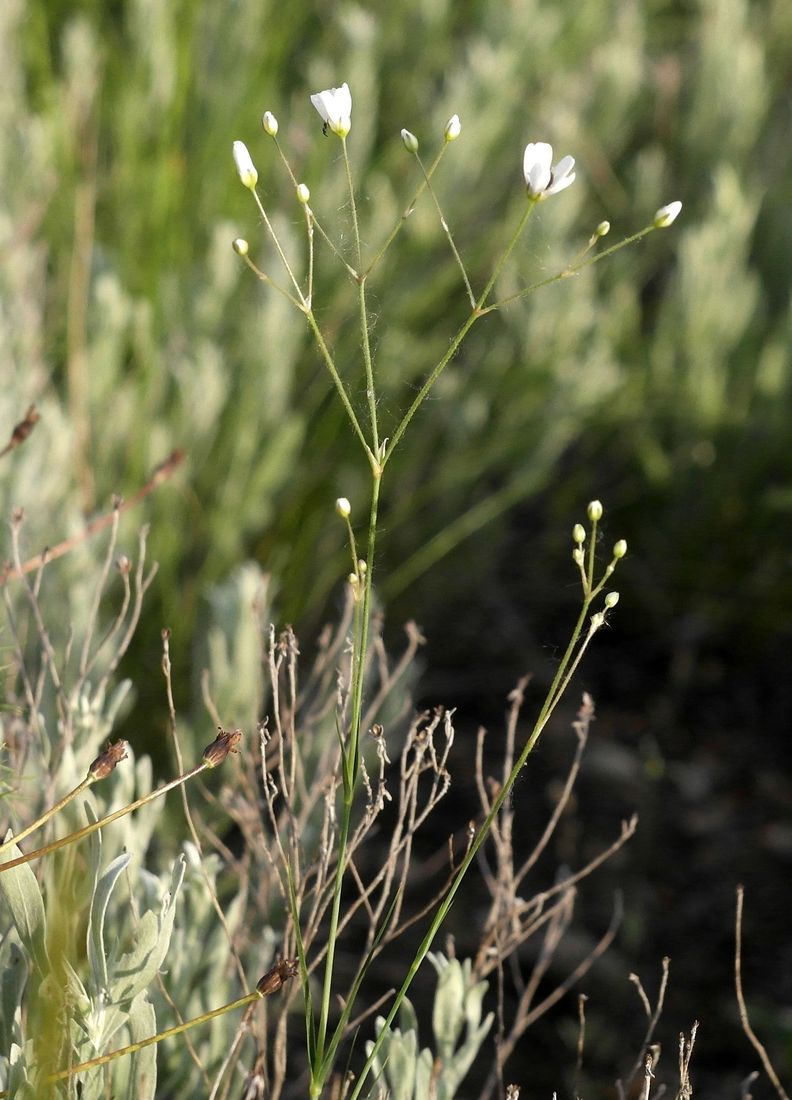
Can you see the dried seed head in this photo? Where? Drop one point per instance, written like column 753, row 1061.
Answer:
column 107, row 760
column 225, row 742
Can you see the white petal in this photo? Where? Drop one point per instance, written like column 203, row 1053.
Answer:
column 559, row 185
column 536, row 166
column 323, row 102
column 343, row 98
column 563, row 168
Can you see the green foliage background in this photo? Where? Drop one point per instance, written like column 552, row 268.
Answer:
column 130, row 320
column 659, row 381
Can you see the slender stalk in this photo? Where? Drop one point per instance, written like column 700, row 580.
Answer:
column 462, row 332
column 141, row 1044
column 316, row 221
column 407, row 211
column 565, row 671
column 447, row 231
column 31, row 828
column 351, row 766
column 572, row 269
column 78, row 834
column 284, row 258
column 371, row 395
column 339, row 385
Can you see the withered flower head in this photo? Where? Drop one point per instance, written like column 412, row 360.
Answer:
column 225, row 742
column 107, row 760
column 277, row 976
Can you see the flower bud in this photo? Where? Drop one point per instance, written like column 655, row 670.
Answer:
column 269, row 123
column 602, row 230
column 666, row 215
column 240, row 246
column 225, row 742
column 620, row 549
column 248, row 176
column 453, row 128
column 579, row 533
column 303, row 194
column 343, row 507
column 577, row 556
column 410, row 141
column 611, row 600
column 598, row 620
column 362, row 567
column 594, row 511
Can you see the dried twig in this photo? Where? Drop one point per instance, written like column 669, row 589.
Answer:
column 160, row 474
column 653, row 1017
column 750, row 1033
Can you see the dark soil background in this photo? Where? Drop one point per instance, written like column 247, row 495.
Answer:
column 692, row 733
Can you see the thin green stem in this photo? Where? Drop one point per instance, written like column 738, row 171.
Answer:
column 462, row 332
column 371, row 395
column 566, row 669
column 316, row 221
column 284, row 258
column 447, row 231
column 31, row 828
column 571, row 269
column 310, row 221
column 407, row 211
column 141, row 1044
column 265, row 278
column 591, row 549
column 351, row 765
column 339, row 385
column 78, row 834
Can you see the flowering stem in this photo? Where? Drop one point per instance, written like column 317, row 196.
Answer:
column 478, row 311
column 339, row 385
column 316, row 221
column 351, row 767
column 407, row 210
column 447, row 231
column 78, row 834
column 364, row 328
column 572, row 269
column 565, row 671
column 276, row 242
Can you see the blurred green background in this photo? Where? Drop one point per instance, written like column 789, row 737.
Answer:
column 658, row 381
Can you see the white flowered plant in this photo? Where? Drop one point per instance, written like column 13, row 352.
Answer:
column 543, row 178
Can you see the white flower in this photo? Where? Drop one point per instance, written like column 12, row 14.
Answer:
column 666, row 214
column 241, row 246
column 269, row 123
column 540, row 179
column 453, row 128
column 335, row 107
column 343, row 507
column 244, row 165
